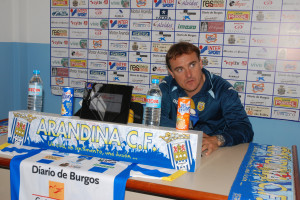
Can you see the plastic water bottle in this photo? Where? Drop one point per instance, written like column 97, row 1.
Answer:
column 153, row 105
column 35, row 92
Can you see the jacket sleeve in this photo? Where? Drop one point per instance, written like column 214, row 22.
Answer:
column 166, row 104
column 238, row 128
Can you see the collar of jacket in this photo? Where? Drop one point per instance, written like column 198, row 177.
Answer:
column 207, row 86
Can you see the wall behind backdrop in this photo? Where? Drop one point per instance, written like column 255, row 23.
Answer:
column 25, row 45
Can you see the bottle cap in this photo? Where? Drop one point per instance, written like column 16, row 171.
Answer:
column 36, row 71
column 156, row 81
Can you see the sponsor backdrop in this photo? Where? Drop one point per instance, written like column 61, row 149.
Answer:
column 255, row 44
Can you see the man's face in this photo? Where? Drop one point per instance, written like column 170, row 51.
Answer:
column 187, row 71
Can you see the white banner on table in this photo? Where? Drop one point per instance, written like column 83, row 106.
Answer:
column 54, row 175
column 131, row 143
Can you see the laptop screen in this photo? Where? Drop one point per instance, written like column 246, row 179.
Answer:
column 106, row 102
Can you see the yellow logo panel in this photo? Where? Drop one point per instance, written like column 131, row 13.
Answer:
column 140, row 98
column 286, row 102
column 238, row 15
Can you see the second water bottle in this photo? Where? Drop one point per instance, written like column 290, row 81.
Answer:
column 35, row 92
column 153, row 105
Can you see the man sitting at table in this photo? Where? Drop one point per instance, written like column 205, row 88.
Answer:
column 218, row 109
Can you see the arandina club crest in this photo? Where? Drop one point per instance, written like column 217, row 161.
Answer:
column 201, row 106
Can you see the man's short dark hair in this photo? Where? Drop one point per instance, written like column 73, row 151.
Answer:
column 179, row 49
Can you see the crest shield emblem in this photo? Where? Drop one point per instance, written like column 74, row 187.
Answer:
column 201, row 106
column 20, row 129
column 180, row 153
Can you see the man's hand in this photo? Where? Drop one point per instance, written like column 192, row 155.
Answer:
column 209, row 143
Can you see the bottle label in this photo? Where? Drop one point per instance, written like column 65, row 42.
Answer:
column 153, row 101
column 35, row 90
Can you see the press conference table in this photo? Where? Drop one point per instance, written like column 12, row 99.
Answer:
column 212, row 181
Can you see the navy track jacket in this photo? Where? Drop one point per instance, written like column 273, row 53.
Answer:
column 218, row 107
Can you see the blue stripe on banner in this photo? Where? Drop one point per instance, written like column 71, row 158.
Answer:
column 15, row 149
column 15, row 172
column 106, row 163
column 171, row 154
column 242, row 169
column 189, row 150
column 120, row 183
column 13, row 129
column 13, row 124
column 45, row 161
column 54, row 154
column 86, row 157
column 26, row 133
column 150, row 172
column 98, row 169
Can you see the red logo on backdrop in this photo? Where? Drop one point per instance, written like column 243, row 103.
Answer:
column 138, row 99
column 63, row 72
column 98, row 32
column 258, row 87
column 268, row 2
column 98, row 11
column 59, row 81
column 286, row 103
column 215, row 27
column 210, row 38
column 238, row 25
column 141, row 3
